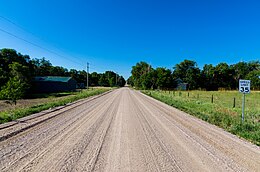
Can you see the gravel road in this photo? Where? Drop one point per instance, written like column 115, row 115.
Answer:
column 123, row 130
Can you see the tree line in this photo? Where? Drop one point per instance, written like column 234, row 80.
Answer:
column 210, row 77
column 17, row 72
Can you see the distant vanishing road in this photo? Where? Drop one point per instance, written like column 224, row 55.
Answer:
column 123, row 130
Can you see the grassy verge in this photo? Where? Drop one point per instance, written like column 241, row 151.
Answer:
column 11, row 115
column 221, row 111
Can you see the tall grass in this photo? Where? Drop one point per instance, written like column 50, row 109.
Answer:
column 220, row 112
column 11, row 115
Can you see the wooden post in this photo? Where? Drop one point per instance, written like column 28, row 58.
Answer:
column 234, row 102
column 212, row 98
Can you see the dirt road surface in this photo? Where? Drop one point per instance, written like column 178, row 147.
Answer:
column 123, row 130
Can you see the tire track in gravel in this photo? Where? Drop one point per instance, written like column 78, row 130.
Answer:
column 56, row 127
column 175, row 133
column 126, row 131
column 160, row 151
column 123, row 146
column 91, row 153
column 34, row 143
column 13, row 128
column 54, row 144
column 224, row 148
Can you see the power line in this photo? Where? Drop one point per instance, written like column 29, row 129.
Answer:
column 51, row 51
column 100, row 68
column 8, row 20
column 36, row 45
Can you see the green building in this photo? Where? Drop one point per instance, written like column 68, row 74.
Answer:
column 52, row 84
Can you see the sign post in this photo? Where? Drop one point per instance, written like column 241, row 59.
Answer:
column 244, row 87
column 243, row 107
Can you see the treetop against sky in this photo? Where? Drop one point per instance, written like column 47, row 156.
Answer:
column 114, row 35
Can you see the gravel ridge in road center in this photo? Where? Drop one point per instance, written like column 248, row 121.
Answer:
column 125, row 130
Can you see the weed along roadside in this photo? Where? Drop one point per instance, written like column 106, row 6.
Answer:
column 221, row 108
column 14, row 114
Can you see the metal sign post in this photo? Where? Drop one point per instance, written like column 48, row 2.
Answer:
column 244, row 87
column 243, row 107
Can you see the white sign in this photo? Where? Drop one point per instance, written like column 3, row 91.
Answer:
column 244, row 86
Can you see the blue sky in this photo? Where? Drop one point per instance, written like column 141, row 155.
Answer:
column 116, row 34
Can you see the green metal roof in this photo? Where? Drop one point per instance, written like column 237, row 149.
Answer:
column 51, row 79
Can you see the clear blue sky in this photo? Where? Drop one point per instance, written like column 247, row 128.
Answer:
column 116, row 34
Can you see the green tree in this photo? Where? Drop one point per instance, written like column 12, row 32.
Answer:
column 138, row 73
column 8, row 57
column 13, row 90
column 3, row 77
column 20, row 71
column 223, row 76
column 240, row 69
column 95, row 77
column 111, row 81
column 17, row 84
column 188, row 72
column 74, row 73
column 146, row 81
column 193, row 78
column 111, row 78
column 151, row 79
column 254, row 76
column 42, row 67
column 208, row 80
column 121, row 81
column 130, row 81
column 164, row 78
column 58, row 71
column 103, row 81
column 254, row 65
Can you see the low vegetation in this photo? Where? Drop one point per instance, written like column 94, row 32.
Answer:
column 52, row 100
column 221, row 108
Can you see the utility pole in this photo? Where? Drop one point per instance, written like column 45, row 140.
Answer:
column 116, row 78
column 87, row 73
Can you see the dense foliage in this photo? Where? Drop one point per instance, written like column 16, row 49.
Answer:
column 17, row 71
column 221, row 76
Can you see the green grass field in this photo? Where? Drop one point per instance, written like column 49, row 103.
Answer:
column 49, row 101
column 222, row 112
